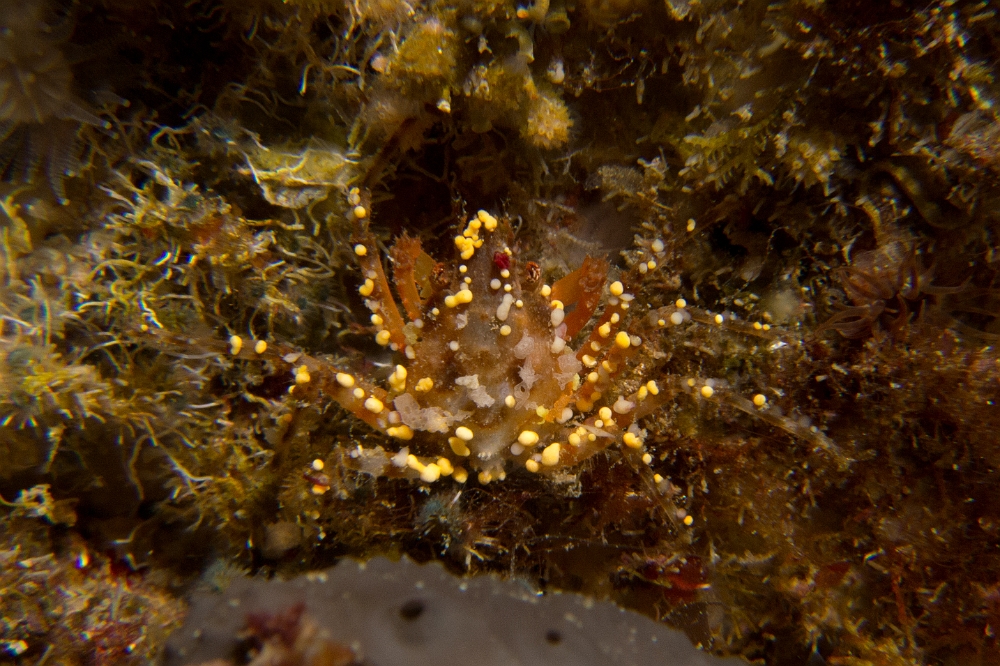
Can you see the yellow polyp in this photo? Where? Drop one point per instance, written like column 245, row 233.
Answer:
column 531, row 465
column 591, row 437
column 360, row 250
column 608, row 366
column 374, row 405
column 302, row 375
column 652, row 387
column 318, row 489
column 509, row 401
column 445, row 466
column 464, row 296
column 707, row 391
column 424, row 385
column 377, row 320
column 450, row 301
column 260, row 347
column 463, row 433
column 359, row 393
column 345, row 380
column 575, row 440
column 622, row 340
column 458, row 447
column 505, row 330
column 766, row 327
column 382, row 337
column 616, row 288
column 460, row 475
column 657, row 478
column 650, row 264
column 541, row 412
column 760, row 400
column 632, row 440
column 318, row 465
column 615, row 318
column 680, row 303
column 367, row 288
column 689, row 520
column 485, row 477
column 593, row 377
column 588, row 361
column 527, row 438
column 430, row 473
column 595, row 346
column 546, row 291
column 642, row 393
column 646, row 458
column 604, row 330
column 718, row 319
column 413, row 462
column 403, row 432
column 757, row 326
column 605, row 414
column 550, row 454
column 361, row 213
column 235, row 345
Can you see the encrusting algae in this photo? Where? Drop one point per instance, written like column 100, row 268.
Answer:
column 689, row 305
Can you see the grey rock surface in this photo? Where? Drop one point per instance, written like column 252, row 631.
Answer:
column 405, row 614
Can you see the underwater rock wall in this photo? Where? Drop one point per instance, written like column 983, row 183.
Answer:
column 691, row 306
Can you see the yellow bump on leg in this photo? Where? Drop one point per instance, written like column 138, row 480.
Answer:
column 509, row 401
column 430, row 473
column 689, row 520
column 424, row 385
column 617, row 288
column 360, row 212
column 367, row 288
column 446, row 466
column 463, row 433
column 605, row 414
column 235, row 345
column 632, row 441
column 403, row 432
column 360, row 250
column 707, row 391
column 260, row 347
column 302, row 375
column 459, row 447
column 550, row 454
column 574, row 439
column 359, row 393
column 604, row 330
column 318, row 465
column 646, row 458
column 760, row 400
column 460, row 475
column 382, row 337
column 531, row 465
column 652, row 387
column 680, row 303
column 527, row 438
column 345, row 380
column 374, row 405
column 622, row 340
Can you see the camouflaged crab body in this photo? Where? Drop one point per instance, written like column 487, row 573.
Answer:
column 487, row 373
